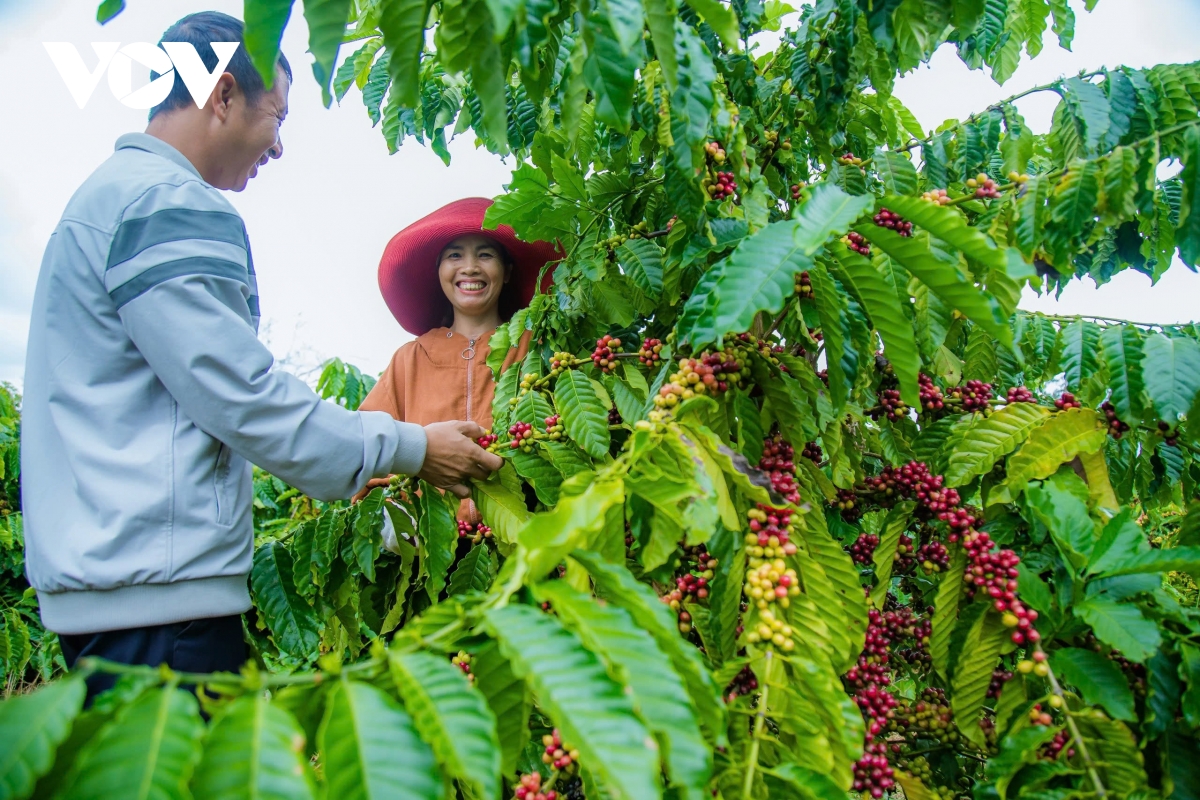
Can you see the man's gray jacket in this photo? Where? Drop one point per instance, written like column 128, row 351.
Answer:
column 147, row 394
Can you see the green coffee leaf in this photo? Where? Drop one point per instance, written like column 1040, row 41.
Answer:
column 1172, row 373
column 635, row 660
column 592, row 711
column 32, row 726
column 1123, row 358
column 1120, row 625
column 147, row 751
column 618, row 586
column 1098, row 679
column 760, row 274
column 946, row 279
column 452, row 717
column 990, row 439
column 888, row 315
column 582, row 413
column 1062, row 437
column 973, row 673
column 508, row 698
column 254, row 750
column 370, row 748
column 950, row 592
column 293, row 623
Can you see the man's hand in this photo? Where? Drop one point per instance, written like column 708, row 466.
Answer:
column 452, row 455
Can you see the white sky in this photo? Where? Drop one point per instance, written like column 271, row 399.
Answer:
column 319, row 217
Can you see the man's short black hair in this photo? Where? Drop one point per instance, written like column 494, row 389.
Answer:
column 200, row 30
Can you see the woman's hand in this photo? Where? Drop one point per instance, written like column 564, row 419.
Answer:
column 374, row 483
column 452, row 456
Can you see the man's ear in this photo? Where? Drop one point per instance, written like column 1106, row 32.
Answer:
column 222, row 96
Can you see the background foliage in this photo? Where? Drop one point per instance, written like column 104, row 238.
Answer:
column 806, row 505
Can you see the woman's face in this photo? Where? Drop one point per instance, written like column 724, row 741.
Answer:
column 472, row 274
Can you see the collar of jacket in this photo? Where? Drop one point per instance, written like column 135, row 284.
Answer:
column 152, row 144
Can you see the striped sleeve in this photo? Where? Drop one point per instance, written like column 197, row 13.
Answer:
column 175, row 231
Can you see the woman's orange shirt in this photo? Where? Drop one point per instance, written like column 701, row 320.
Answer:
column 441, row 376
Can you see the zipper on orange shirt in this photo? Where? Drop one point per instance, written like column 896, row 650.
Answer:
column 470, row 348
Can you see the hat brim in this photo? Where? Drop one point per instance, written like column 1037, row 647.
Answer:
column 408, row 271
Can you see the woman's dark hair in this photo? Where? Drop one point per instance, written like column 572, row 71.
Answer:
column 509, row 303
column 200, row 30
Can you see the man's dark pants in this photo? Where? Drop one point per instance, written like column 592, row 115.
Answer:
column 199, row 645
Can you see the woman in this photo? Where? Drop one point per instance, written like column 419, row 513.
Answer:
column 451, row 283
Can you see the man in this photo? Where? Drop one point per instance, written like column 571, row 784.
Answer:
column 147, row 392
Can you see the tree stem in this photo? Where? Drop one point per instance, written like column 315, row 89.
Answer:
column 1045, row 87
column 779, row 319
column 89, row 665
column 1076, row 736
column 760, row 721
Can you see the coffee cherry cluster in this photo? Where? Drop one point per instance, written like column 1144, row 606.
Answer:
column 995, row 573
column 850, row 160
column 777, row 462
column 1067, row 401
column 867, row 680
column 487, row 440
column 1039, row 717
column 930, row 717
column 893, row 221
column 1036, row 664
column 890, row 406
column 521, row 434
column 556, row 754
column 613, row 242
column 743, row 683
column 863, row 548
column 973, row 395
column 462, row 660
column 710, row 373
column 529, row 787
column 561, row 362
column 797, row 190
column 715, row 152
column 931, row 396
column 938, row 196
column 913, row 480
column 872, row 774
column 649, row 352
column 1000, row 676
column 858, row 243
column 1170, row 437
column 614, row 416
column 554, row 427
column 1018, row 177
column 1019, row 394
column 725, row 186
column 933, row 557
column 770, row 586
column 476, row 532
column 905, row 555
column 847, row 503
column 804, row 287
column 984, row 187
column 770, row 531
column 602, row 356
column 1054, row 748
column 1116, row 427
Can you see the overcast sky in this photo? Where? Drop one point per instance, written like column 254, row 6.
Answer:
column 320, row 216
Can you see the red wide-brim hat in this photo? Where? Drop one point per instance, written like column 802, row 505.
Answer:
column 408, row 271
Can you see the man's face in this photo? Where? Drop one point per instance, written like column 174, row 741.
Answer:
column 253, row 134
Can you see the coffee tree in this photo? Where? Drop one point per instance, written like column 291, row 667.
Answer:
column 796, row 502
